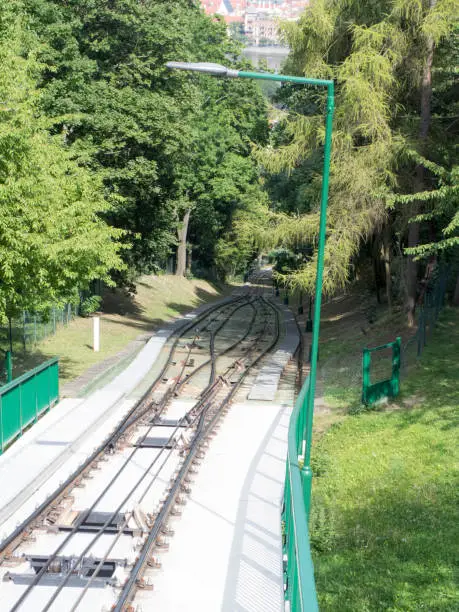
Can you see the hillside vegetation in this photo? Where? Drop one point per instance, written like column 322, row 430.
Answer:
column 385, row 500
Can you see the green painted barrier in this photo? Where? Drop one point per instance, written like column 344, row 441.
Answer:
column 299, row 585
column 371, row 393
column 23, row 400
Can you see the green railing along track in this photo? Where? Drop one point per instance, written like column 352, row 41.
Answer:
column 24, row 399
column 300, row 590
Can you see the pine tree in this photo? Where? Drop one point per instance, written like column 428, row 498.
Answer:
column 377, row 54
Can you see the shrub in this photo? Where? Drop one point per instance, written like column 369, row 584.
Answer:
column 89, row 305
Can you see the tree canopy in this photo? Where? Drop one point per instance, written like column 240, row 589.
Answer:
column 52, row 238
column 161, row 142
column 395, row 131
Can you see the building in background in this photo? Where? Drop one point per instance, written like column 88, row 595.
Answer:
column 256, row 20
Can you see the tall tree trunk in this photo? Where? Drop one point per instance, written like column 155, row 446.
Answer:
column 414, row 230
column 181, row 248
column 387, row 258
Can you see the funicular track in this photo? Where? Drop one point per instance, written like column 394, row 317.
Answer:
column 85, row 550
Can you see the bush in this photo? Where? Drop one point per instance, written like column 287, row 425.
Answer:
column 89, row 305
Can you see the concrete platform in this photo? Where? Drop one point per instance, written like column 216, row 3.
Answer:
column 267, row 381
column 50, row 451
column 226, row 553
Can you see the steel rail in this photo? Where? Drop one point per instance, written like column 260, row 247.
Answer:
column 126, row 595
column 114, row 436
column 100, row 450
column 183, row 330
column 108, row 521
column 227, row 350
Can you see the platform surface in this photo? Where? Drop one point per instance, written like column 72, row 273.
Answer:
column 50, row 451
column 226, row 553
column 267, row 381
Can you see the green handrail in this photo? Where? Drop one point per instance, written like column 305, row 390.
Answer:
column 300, row 590
column 25, row 399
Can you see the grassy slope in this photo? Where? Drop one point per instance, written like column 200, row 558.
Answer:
column 384, row 520
column 158, row 299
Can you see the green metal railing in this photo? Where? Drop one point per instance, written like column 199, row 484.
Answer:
column 390, row 387
column 23, row 400
column 300, row 590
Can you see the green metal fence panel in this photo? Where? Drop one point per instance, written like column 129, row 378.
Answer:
column 23, row 400
column 28, row 403
column 11, row 417
column 299, row 585
column 390, row 387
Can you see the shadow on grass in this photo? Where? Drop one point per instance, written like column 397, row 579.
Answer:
column 120, row 302
column 130, row 313
column 136, row 317
column 26, row 361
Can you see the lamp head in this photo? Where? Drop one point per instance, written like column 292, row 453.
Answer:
column 216, row 70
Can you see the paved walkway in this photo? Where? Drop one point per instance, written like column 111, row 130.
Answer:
column 226, row 553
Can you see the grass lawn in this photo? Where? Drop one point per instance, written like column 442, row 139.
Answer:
column 384, row 521
column 124, row 318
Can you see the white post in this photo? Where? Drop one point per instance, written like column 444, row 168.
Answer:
column 96, row 334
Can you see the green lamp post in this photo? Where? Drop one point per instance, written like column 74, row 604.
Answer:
column 217, row 70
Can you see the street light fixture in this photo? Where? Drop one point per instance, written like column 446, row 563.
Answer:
column 217, row 70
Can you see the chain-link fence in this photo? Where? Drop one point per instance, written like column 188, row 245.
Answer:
column 432, row 303
column 25, row 331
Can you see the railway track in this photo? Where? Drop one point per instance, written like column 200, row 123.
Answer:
column 92, row 546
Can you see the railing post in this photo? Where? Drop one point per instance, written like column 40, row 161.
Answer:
column 1, row 424
column 306, row 478
column 8, row 366
column 366, row 362
column 20, row 410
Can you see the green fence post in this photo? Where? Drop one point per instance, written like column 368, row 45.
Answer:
column 396, row 352
column 366, row 361
column 1, row 425
column 8, row 366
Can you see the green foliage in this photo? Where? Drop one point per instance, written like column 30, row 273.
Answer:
column 284, row 260
column 162, row 142
column 52, row 238
column 90, row 305
column 375, row 52
column 248, row 236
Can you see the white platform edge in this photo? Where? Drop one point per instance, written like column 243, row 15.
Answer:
column 28, row 481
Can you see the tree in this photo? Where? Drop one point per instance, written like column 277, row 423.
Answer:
column 52, row 239
column 377, row 54
column 147, row 132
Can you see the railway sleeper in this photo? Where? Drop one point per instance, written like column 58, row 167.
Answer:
column 81, row 573
column 145, row 584
column 167, row 531
column 161, row 543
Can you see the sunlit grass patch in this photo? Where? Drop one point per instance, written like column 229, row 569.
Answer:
column 384, row 523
